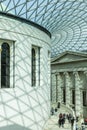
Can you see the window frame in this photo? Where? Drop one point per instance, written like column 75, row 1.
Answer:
column 5, row 65
column 84, row 98
column 35, row 72
column 11, row 44
column 73, row 96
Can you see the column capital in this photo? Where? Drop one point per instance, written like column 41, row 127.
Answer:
column 85, row 72
column 75, row 72
column 58, row 73
column 66, row 73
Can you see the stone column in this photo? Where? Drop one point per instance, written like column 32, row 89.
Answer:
column 59, row 85
column 0, row 65
column 77, row 93
column 85, row 72
column 53, row 88
column 67, row 87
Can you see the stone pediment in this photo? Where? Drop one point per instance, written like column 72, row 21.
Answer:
column 69, row 56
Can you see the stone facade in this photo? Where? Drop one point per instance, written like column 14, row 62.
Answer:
column 22, row 105
column 69, row 81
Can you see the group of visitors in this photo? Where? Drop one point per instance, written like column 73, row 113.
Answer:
column 82, row 127
column 53, row 110
column 63, row 117
column 61, row 120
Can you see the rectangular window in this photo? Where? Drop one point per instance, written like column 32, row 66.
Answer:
column 35, row 66
column 73, row 97
column 64, row 95
column 84, row 98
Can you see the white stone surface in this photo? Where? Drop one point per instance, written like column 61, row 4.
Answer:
column 24, row 105
column 71, row 71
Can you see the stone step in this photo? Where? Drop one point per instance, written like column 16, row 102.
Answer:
column 52, row 123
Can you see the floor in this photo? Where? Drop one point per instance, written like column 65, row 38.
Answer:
column 52, row 124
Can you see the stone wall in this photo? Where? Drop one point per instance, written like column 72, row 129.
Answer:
column 23, row 104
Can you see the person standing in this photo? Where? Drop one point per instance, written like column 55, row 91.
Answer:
column 76, row 126
column 58, row 106
column 72, row 122
column 60, row 119
column 83, row 126
column 52, row 111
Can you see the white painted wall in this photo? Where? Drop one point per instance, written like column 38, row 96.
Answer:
column 23, row 105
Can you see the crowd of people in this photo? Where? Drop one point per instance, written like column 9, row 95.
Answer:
column 62, row 119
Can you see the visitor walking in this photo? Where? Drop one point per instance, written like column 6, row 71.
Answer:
column 72, row 122
column 76, row 126
column 60, row 119
column 82, row 126
column 52, row 111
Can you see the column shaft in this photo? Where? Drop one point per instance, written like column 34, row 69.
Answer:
column 59, row 85
column 77, row 93
column 67, row 87
column 53, row 88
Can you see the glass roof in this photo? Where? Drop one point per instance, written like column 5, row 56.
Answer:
column 65, row 19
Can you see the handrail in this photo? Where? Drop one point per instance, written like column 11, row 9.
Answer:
column 68, row 108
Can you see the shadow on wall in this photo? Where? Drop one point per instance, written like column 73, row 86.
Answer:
column 14, row 127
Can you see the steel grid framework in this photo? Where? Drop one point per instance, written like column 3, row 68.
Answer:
column 65, row 19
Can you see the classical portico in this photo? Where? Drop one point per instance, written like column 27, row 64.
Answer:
column 69, row 79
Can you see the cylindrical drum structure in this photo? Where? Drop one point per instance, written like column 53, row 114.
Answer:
column 25, row 74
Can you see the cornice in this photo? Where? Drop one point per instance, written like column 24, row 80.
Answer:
column 66, row 62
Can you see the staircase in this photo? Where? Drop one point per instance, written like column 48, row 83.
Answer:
column 52, row 123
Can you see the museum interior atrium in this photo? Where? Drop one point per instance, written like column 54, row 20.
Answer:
column 34, row 32
column 66, row 20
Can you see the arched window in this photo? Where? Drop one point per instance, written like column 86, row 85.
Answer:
column 33, row 67
column 5, row 65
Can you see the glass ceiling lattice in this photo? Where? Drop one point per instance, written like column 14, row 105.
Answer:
column 65, row 19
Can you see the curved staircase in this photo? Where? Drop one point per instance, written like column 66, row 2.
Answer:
column 52, row 123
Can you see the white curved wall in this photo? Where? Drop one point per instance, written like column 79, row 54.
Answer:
column 25, row 107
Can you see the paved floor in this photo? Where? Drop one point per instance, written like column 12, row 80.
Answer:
column 52, row 124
